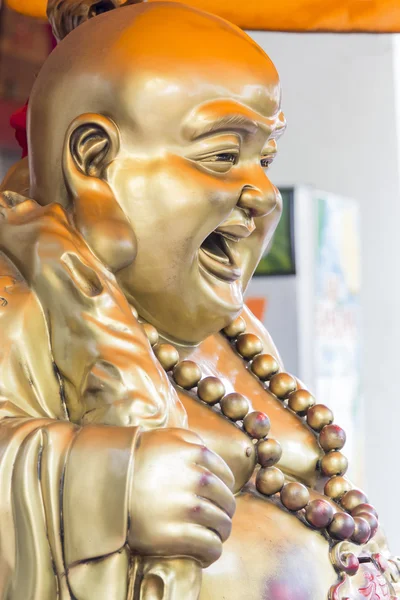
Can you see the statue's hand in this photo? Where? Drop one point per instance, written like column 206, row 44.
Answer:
column 182, row 503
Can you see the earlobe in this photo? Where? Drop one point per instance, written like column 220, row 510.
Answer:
column 91, row 144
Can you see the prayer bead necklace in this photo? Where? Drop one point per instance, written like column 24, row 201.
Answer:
column 355, row 520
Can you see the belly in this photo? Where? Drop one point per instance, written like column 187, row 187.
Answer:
column 270, row 555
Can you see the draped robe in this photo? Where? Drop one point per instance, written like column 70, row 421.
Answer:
column 77, row 382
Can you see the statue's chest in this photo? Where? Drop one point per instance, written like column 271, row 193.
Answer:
column 300, row 448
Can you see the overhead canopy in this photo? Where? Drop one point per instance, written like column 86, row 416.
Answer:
column 284, row 15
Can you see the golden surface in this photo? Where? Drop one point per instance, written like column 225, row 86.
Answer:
column 147, row 194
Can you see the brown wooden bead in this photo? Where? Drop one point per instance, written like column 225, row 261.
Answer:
column 269, row 452
column 342, row 526
column 151, row 333
column 269, row 481
column 334, row 463
column 167, row 355
column 295, row 496
column 235, row 328
column 248, row 345
column 235, row 406
column 371, row 520
column 211, row 390
column 282, row 385
column 257, row 425
column 187, row 374
column 332, row 437
column 300, row 401
column 364, row 508
column 264, row 366
column 318, row 416
column 336, row 487
column 362, row 531
column 352, row 499
column 319, row 513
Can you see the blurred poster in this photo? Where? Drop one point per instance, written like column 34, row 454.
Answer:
column 337, row 315
column 279, row 258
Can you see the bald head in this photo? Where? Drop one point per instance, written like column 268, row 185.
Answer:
column 139, row 65
column 154, row 125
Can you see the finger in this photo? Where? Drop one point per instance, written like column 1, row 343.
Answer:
column 10, row 199
column 24, row 208
column 216, row 465
column 209, row 515
column 214, row 489
column 186, row 435
column 198, row 542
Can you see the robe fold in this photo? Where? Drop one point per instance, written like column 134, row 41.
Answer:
column 77, row 384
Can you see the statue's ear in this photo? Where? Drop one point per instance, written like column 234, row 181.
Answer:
column 91, row 144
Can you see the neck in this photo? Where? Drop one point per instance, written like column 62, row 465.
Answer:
column 185, row 350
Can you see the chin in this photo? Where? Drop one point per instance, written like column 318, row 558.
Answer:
column 192, row 335
column 225, row 267
column 223, row 302
column 217, row 309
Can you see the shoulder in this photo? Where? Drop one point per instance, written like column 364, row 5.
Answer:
column 17, row 177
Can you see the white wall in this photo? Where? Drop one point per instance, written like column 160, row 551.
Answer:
column 342, row 103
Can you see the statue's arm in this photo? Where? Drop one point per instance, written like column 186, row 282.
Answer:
column 93, row 498
column 66, row 490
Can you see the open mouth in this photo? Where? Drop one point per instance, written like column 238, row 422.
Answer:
column 216, row 257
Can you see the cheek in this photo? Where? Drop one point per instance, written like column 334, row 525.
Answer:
column 173, row 196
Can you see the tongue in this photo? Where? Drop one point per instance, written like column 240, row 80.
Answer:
column 212, row 246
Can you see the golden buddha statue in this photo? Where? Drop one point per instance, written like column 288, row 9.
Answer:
column 151, row 446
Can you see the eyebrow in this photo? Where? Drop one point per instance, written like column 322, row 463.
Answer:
column 203, row 126
column 225, row 115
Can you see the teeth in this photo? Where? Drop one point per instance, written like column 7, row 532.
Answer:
column 213, row 246
column 230, row 237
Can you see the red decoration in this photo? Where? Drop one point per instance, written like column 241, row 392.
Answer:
column 18, row 119
column 18, row 122
column 376, row 587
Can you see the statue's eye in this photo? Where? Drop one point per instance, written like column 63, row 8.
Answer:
column 266, row 161
column 230, row 157
column 221, row 162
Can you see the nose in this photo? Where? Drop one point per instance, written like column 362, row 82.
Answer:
column 258, row 202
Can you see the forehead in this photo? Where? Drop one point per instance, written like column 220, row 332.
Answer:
column 171, row 71
column 183, row 100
